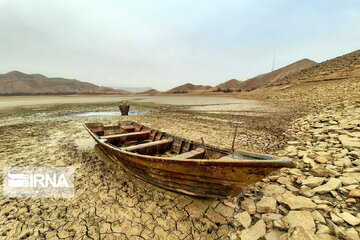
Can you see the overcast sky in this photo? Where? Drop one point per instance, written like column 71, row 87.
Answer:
column 166, row 43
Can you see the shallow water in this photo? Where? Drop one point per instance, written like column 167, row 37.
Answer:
column 104, row 114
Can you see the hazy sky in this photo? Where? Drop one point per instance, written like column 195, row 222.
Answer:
column 167, row 43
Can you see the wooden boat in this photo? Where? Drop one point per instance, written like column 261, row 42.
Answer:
column 182, row 165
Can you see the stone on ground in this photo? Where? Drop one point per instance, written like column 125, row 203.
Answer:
column 336, row 219
column 354, row 193
column 274, row 234
column 244, row 218
column 298, row 233
column 255, row 232
column 296, row 202
column 322, row 159
column 266, row 205
column 318, row 217
column 313, row 182
column 348, row 181
column 300, row 218
column 331, row 185
column 349, row 142
column 273, row 190
column 349, row 218
column 322, row 229
column 351, row 234
column 249, row 206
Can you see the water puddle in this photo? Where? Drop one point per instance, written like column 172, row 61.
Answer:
column 105, row 114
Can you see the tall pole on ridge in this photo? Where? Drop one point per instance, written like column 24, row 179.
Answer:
column 273, row 63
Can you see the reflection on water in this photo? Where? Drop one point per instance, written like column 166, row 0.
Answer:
column 104, row 114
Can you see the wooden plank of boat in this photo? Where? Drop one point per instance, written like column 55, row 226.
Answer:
column 214, row 177
column 149, row 148
column 197, row 153
column 127, row 136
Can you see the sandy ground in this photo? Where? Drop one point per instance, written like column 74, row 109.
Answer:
column 109, row 203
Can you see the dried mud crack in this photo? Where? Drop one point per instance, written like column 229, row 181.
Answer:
column 110, row 203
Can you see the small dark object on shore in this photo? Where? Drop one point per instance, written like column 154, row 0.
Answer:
column 124, row 108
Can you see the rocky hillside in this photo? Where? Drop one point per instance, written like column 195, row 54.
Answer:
column 189, row 88
column 343, row 67
column 274, row 76
column 18, row 83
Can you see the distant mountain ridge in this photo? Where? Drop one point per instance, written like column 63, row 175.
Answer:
column 234, row 85
column 189, row 88
column 151, row 91
column 133, row 89
column 18, row 83
column 343, row 67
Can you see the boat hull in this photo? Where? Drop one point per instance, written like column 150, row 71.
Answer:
column 213, row 178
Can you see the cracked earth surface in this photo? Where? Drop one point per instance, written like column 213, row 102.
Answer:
column 110, row 203
column 318, row 200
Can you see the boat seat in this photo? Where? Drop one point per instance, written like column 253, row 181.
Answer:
column 196, row 153
column 151, row 147
column 233, row 157
column 128, row 128
column 132, row 136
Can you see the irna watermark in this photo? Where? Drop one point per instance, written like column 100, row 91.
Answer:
column 38, row 182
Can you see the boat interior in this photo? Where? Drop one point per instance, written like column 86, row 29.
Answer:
column 136, row 138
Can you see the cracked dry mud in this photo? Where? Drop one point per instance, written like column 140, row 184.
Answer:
column 110, row 203
column 319, row 200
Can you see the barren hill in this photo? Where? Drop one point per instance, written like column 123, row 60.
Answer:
column 248, row 85
column 343, row 67
column 232, row 84
column 132, row 89
column 267, row 78
column 149, row 92
column 18, row 83
column 189, row 88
